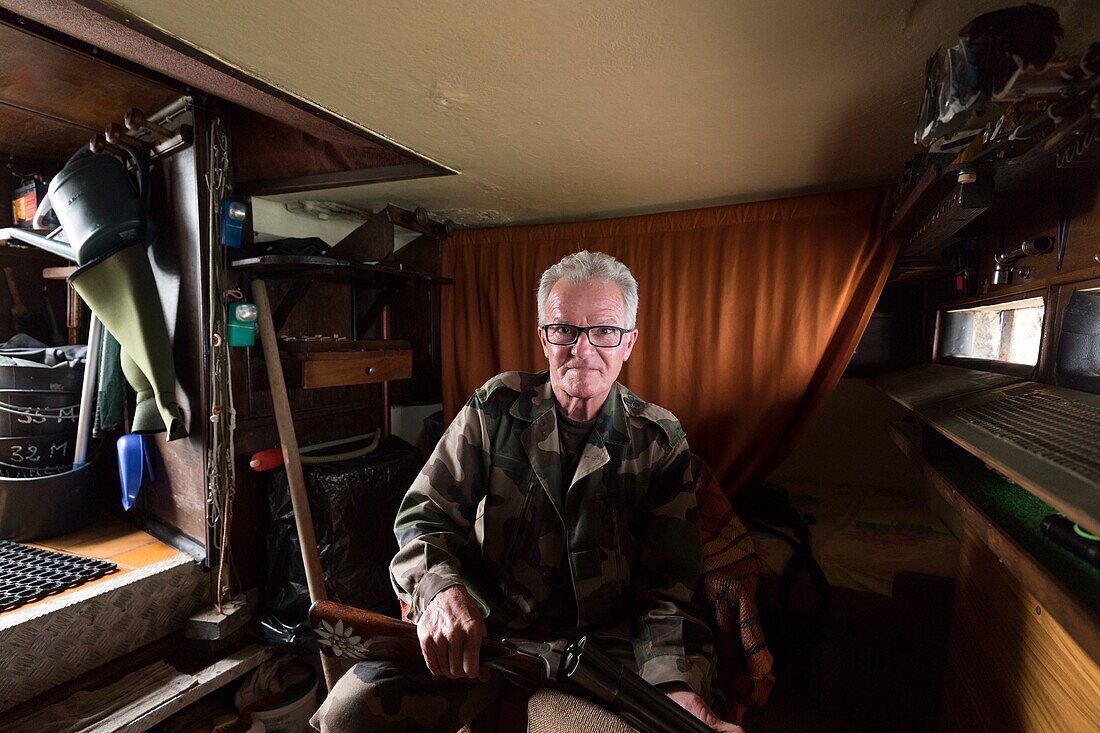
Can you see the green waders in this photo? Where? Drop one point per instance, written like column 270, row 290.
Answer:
column 120, row 289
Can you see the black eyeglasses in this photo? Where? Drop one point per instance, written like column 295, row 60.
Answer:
column 566, row 334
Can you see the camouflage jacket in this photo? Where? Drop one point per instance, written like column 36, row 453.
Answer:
column 490, row 511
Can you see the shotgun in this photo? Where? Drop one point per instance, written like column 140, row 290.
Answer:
column 577, row 667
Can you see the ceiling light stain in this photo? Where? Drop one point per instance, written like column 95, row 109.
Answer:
column 477, row 217
column 446, row 96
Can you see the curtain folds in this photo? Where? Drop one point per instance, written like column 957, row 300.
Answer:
column 748, row 313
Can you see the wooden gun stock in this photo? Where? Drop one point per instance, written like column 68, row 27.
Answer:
column 344, row 631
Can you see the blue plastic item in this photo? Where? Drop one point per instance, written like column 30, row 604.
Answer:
column 231, row 218
column 134, row 463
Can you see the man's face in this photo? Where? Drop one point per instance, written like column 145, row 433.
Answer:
column 583, row 371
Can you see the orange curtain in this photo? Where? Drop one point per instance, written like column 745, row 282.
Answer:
column 748, row 314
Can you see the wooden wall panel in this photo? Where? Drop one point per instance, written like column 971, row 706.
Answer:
column 7, row 183
column 1011, row 666
column 177, row 497
column 319, row 414
column 53, row 98
column 414, row 315
column 1024, row 217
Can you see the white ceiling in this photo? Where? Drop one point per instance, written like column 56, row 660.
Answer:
column 561, row 109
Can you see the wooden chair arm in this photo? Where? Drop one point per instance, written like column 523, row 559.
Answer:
column 345, row 631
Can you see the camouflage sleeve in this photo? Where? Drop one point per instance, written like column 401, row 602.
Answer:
column 672, row 643
column 437, row 514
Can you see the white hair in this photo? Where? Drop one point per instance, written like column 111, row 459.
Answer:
column 584, row 266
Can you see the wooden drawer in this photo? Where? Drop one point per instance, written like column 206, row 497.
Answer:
column 341, row 369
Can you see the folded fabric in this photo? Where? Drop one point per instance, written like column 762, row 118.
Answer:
column 110, row 396
column 730, row 577
column 270, row 680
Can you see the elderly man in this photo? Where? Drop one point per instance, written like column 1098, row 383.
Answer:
column 556, row 504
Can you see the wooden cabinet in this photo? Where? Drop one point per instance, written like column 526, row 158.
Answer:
column 1024, row 647
column 1011, row 666
column 340, row 369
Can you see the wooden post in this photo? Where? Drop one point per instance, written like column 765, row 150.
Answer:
column 386, row 384
column 303, row 520
column 73, row 304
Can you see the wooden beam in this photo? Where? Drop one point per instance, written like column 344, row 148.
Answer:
column 341, row 179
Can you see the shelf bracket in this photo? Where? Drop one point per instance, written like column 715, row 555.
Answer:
column 381, row 300
column 297, row 291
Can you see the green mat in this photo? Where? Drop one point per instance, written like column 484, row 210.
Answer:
column 1018, row 514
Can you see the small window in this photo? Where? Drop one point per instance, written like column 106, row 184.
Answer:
column 1078, row 364
column 1008, row 332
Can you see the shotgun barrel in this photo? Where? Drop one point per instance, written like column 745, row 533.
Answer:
column 576, row 667
column 619, row 688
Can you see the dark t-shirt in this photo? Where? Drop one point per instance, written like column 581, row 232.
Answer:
column 559, row 614
column 574, row 436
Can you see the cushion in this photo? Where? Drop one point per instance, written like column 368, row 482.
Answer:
column 552, row 711
column 863, row 537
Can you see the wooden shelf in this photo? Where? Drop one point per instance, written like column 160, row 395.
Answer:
column 1061, row 590
column 26, row 253
column 934, row 210
column 306, row 270
column 306, row 348
column 925, row 384
column 329, row 269
column 147, row 696
column 964, row 203
column 1068, row 492
column 919, row 200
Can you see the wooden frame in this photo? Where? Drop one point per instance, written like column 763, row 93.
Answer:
column 1025, row 371
column 381, row 174
column 1060, row 294
column 161, row 55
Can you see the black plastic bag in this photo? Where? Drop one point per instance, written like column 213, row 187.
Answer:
column 354, row 504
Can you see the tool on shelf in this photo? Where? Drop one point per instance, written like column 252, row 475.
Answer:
column 1004, row 261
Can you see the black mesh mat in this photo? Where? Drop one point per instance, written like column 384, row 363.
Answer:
column 28, row 573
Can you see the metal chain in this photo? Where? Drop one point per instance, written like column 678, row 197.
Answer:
column 221, row 476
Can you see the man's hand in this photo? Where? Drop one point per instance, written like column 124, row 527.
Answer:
column 683, row 696
column 450, row 633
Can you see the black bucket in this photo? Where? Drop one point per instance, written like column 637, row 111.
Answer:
column 36, row 507
column 40, row 389
column 29, row 412
column 36, row 452
column 42, row 370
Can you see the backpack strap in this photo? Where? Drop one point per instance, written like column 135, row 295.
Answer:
column 770, row 511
